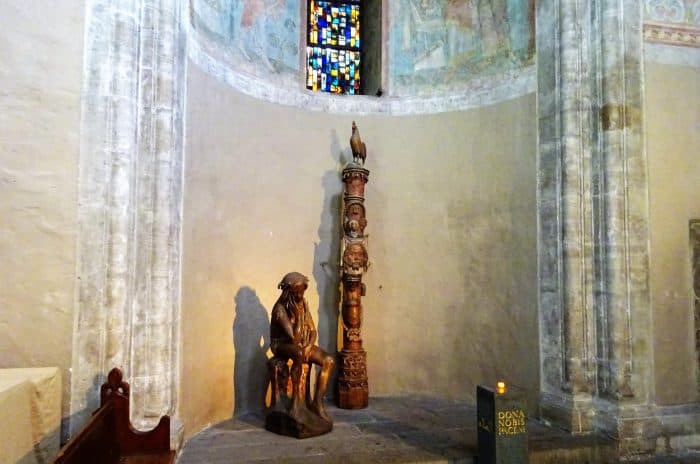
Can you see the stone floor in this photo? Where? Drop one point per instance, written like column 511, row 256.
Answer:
column 391, row 430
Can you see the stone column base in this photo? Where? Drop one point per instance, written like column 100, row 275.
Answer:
column 679, row 428
column 634, row 427
column 177, row 433
column 639, row 430
column 575, row 415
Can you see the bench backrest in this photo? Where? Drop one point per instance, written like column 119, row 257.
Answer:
column 95, row 442
column 109, row 435
column 136, row 441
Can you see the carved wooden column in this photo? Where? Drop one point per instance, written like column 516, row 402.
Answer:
column 353, row 392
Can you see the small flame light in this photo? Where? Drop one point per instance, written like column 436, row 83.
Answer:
column 501, row 387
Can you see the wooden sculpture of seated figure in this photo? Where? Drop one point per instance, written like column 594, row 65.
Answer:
column 292, row 337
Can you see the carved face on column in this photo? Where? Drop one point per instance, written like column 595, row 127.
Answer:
column 354, row 222
column 355, row 259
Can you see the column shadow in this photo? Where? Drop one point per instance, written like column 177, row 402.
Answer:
column 251, row 339
column 327, row 255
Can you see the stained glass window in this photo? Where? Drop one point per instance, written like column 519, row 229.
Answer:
column 333, row 46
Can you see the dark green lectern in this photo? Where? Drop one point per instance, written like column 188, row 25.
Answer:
column 501, row 432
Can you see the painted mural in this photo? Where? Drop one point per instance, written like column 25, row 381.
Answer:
column 672, row 22
column 434, row 48
column 263, row 34
column 435, row 43
column 673, row 11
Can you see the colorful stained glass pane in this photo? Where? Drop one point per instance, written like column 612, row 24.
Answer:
column 333, row 51
column 330, row 70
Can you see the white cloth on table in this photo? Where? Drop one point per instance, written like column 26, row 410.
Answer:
column 30, row 415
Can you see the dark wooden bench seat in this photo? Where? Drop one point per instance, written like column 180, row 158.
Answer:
column 109, row 438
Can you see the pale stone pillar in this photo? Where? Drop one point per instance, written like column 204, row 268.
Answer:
column 565, row 190
column 130, row 202
column 595, row 309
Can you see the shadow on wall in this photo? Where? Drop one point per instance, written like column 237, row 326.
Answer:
column 70, row 425
column 251, row 339
column 327, row 255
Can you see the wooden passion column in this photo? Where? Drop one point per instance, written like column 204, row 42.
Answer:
column 353, row 392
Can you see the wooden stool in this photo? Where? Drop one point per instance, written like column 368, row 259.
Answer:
column 279, row 369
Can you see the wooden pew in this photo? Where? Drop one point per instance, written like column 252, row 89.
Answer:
column 108, row 436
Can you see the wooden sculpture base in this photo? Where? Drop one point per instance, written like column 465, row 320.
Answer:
column 353, row 392
column 298, row 424
column 353, row 398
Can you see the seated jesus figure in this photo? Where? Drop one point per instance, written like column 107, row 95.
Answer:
column 292, row 336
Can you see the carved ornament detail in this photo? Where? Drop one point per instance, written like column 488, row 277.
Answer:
column 354, row 220
column 115, row 385
column 355, row 260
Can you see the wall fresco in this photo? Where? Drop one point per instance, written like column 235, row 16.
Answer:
column 673, row 11
column 435, row 43
column 447, row 53
column 672, row 22
column 261, row 33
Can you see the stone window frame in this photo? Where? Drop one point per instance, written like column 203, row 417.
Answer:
column 372, row 14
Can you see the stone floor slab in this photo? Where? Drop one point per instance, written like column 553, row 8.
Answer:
column 410, row 429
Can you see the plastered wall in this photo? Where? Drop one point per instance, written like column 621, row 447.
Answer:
column 672, row 109
column 451, row 293
column 40, row 78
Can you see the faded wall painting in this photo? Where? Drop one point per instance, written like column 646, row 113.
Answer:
column 673, row 11
column 436, row 43
column 262, row 35
column 673, row 22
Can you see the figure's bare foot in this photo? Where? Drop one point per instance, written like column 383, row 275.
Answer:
column 318, row 408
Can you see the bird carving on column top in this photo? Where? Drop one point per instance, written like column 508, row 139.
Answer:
column 359, row 151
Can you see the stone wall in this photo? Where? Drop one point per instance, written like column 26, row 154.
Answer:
column 672, row 102
column 671, row 108
column 595, row 308
column 451, row 220
column 451, row 208
column 615, row 298
column 41, row 53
